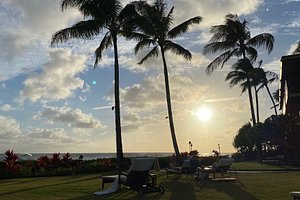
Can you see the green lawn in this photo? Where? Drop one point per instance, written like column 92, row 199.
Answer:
column 249, row 166
column 80, row 187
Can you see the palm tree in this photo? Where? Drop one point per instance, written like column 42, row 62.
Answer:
column 233, row 39
column 100, row 15
column 153, row 28
column 242, row 75
column 264, row 78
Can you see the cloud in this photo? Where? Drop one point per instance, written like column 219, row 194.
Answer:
column 9, row 128
column 56, row 136
column 220, row 8
column 28, row 28
column 150, row 93
column 7, row 108
column 58, row 79
column 74, row 117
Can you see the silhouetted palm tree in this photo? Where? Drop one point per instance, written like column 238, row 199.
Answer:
column 242, row 75
column 264, row 79
column 233, row 39
column 99, row 15
column 153, row 29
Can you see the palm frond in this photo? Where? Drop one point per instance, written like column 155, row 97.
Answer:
column 178, row 50
column 251, row 53
column 105, row 44
column 236, row 77
column 264, row 39
column 183, row 27
column 167, row 20
column 243, row 64
column 143, row 43
column 71, row 4
column 219, row 61
column 214, row 47
column 153, row 52
column 138, row 36
column 83, row 29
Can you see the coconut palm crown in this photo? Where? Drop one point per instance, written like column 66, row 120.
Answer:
column 100, row 15
column 153, row 29
column 233, row 39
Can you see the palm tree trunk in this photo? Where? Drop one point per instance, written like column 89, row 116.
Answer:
column 271, row 97
column 168, row 96
column 250, row 96
column 257, row 104
column 251, row 102
column 117, row 106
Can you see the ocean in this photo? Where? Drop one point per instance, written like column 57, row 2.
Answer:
column 87, row 156
column 92, row 156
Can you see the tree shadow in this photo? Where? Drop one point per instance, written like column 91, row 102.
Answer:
column 234, row 189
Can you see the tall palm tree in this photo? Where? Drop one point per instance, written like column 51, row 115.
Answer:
column 264, row 79
column 100, row 15
column 153, row 29
column 242, row 75
column 233, row 39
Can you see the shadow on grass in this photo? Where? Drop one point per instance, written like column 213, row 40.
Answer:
column 123, row 193
column 234, row 189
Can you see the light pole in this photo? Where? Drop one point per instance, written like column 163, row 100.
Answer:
column 219, row 148
column 190, row 146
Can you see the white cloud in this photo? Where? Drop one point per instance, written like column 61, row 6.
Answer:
column 28, row 28
column 56, row 136
column 7, row 108
column 9, row 128
column 74, row 117
column 220, row 8
column 58, row 79
column 150, row 94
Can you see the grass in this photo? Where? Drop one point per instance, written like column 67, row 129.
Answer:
column 270, row 185
column 256, row 166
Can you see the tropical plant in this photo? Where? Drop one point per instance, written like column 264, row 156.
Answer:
column 242, row 74
column 233, row 39
column 153, row 29
column 99, row 15
column 264, row 78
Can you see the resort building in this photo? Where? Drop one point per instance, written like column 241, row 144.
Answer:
column 290, row 85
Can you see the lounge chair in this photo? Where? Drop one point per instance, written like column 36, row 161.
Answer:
column 221, row 167
column 189, row 167
column 138, row 177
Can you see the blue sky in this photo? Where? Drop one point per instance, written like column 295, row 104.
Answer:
column 53, row 100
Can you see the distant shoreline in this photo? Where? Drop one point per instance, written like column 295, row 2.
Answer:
column 93, row 156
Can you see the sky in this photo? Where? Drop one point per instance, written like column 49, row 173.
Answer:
column 53, row 100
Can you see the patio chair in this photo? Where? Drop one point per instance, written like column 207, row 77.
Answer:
column 138, row 177
column 221, row 167
column 189, row 167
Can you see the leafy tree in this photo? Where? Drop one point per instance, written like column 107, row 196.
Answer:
column 100, row 15
column 233, row 39
column 241, row 141
column 153, row 29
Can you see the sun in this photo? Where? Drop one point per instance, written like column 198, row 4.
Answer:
column 204, row 113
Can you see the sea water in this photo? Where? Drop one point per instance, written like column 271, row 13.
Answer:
column 88, row 156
